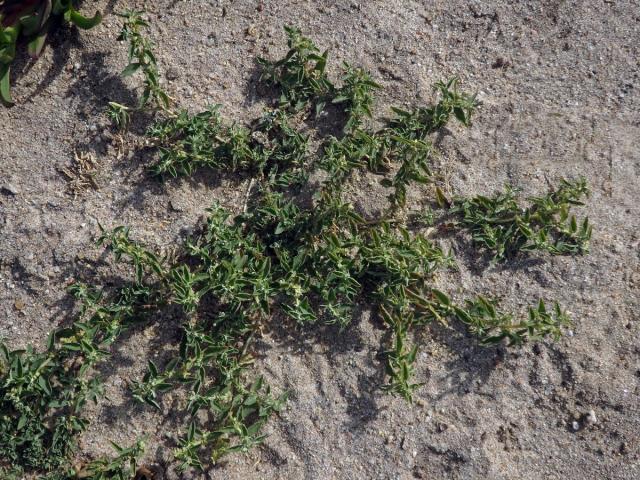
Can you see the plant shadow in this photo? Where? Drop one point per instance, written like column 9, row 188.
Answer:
column 471, row 364
column 61, row 42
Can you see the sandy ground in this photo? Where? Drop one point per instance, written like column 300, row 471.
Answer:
column 560, row 87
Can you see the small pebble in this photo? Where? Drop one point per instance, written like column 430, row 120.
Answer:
column 172, row 73
column 575, row 425
column 10, row 188
column 591, row 418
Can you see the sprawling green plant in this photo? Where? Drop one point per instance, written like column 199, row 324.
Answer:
column 325, row 257
column 298, row 250
column 32, row 20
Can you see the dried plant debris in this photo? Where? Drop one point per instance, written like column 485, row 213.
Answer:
column 308, row 260
column 82, row 173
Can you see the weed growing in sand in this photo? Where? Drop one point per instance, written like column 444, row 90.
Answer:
column 42, row 395
column 300, row 75
column 122, row 466
column 324, row 258
column 503, row 227
column 297, row 250
column 141, row 59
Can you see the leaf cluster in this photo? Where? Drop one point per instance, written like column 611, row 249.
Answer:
column 228, row 272
column 403, row 145
column 304, row 84
column 187, row 142
column 122, row 466
column 357, row 93
column 42, row 395
column 301, row 74
column 492, row 326
column 503, row 227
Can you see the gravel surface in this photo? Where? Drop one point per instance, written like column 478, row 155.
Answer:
column 559, row 82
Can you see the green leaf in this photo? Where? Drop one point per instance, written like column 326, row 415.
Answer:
column 441, row 198
column 461, row 115
column 22, row 422
column 42, row 382
column 152, row 402
column 131, row 69
column 81, row 21
column 442, row 298
column 5, row 87
column 35, row 45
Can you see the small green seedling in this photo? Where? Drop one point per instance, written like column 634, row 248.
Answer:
column 123, row 466
column 141, row 58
